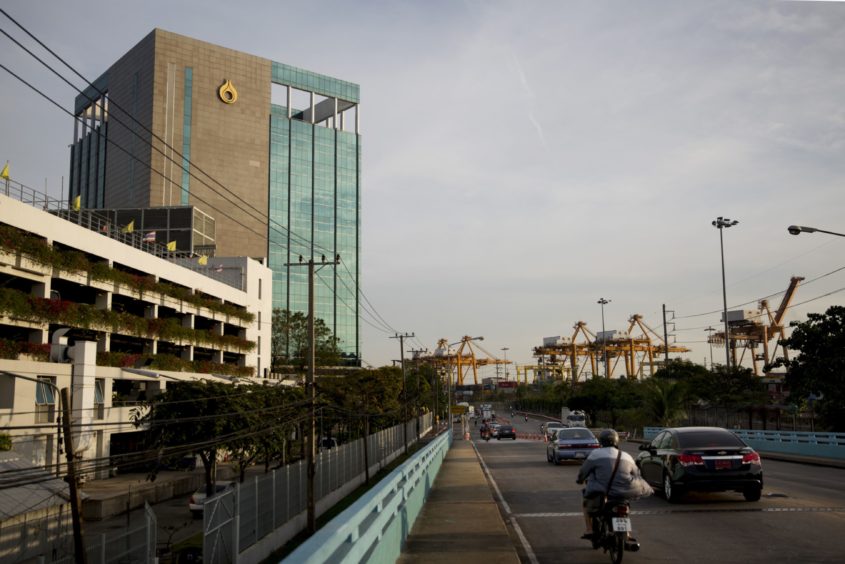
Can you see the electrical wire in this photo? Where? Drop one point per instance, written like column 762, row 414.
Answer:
column 261, row 217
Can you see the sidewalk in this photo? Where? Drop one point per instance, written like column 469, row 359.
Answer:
column 460, row 522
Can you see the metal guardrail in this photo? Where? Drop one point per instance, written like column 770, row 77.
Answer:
column 374, row 527
column 799, row 443
column 102, row 224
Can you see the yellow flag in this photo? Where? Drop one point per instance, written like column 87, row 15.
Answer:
column 130, row 227
column 171, row 246
column 5, row 172
column 77, row 203
column 203, row 260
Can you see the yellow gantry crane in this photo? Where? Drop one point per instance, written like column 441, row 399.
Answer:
column 636, row 351
column 749, row 330
column 458, row 362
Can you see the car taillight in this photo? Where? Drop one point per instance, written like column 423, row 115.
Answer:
column 690, row 459
column 750, row 457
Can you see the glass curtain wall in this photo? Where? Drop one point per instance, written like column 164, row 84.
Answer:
column 314, row 210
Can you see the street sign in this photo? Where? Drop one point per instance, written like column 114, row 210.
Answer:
column 459, row 409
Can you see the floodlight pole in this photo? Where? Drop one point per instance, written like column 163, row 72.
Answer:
column 722, row 223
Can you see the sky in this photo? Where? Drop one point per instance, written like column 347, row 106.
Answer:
column 522, row 160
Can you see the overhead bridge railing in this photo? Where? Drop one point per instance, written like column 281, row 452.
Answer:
column 798, row 443
column 374, row 527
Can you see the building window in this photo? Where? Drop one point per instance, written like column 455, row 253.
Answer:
column 186, row 136
column 45, row 400
column 99, row 395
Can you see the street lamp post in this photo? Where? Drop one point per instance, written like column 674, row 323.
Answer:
column 722, row 223
column 603, row 303
column 798, row 229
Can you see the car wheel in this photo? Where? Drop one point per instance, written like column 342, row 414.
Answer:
column 752, row 493
column 670, row 490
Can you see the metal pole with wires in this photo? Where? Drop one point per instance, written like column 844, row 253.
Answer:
column 603, row 302
column 310, row 393
column 402, row 337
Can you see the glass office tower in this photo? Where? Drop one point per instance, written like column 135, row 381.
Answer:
column 315, row 176
column 270, row 151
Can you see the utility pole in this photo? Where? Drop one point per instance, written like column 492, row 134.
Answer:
column 402, row 338
column 78, row 548
column 310, row 392
column 666, row 332
column 416, row 353
column 505, row 350
column 603, row 302
column 709, row 335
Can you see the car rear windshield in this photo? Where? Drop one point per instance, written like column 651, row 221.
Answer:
column 575, row 434
column 708, row 438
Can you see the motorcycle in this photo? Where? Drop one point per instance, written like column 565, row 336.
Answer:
column 485, row 434
column 610, row 530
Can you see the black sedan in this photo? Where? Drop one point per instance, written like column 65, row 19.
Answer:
column 506, row 432
column 709, row 459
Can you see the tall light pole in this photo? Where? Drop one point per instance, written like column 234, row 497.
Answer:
column 709, row 334
column 603, row 303
column 798, row 229
column 505, row 350
column 722, row 223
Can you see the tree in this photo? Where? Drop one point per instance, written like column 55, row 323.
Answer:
column 193, row 416
column 604, row 394
column 819, row 369
column 290, row 341
column 664, row 400
column 681, row 370
column 735, row 387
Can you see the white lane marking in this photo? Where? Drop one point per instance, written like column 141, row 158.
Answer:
column 525, row 544
column 692, row 510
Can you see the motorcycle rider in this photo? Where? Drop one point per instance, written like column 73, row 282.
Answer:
column 627, row 484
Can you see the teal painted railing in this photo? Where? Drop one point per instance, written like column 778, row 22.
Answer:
column 824, row 445
column 374, row 528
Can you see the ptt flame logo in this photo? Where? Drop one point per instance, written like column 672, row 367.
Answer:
column 227, row 93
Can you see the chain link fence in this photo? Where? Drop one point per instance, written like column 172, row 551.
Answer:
column 49, row 539
column 237, row 521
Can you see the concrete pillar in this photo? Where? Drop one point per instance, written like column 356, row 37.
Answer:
column 217, row 356
column 188, row 353
column 84, row 372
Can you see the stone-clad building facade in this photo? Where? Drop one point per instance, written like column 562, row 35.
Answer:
column 269, row 152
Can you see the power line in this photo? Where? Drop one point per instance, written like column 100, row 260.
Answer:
column 271, row 222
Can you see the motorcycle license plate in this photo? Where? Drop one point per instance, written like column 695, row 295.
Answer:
column 621, row 524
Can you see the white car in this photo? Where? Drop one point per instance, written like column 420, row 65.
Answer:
column 195, row 503
column 550, row 427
